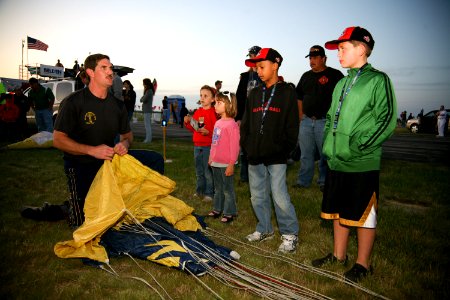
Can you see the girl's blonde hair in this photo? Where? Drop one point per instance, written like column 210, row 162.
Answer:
column 230, row 103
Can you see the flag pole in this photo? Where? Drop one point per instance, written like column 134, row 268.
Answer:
column 27, row 52
column 21, row 74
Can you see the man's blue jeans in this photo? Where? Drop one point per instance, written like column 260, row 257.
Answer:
column 263, row 181
column 203, row 172
column 311, row 141
column 44, row 120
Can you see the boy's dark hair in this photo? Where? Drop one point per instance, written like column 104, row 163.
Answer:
column 92, row 60
column 265, row 54
column 33, row 80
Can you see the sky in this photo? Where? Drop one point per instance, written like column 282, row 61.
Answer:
column 187, row 44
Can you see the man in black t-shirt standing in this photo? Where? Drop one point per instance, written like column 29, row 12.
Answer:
column 314, row 92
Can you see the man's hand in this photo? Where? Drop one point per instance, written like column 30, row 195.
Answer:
column 102, row 152
column 121, row 147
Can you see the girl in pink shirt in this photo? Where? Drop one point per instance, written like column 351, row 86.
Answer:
column 223, row 156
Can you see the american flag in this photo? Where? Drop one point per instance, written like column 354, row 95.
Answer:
column 36, row 44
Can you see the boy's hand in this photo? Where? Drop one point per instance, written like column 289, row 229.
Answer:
column 203, row 131
column 187, row 119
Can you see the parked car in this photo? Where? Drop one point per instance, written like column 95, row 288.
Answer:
column 426, row 123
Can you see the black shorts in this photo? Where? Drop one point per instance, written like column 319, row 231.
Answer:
column 351, row 198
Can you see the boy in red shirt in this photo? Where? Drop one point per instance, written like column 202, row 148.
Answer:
column 202, row 125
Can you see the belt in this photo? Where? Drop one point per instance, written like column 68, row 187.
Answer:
column 314, row 118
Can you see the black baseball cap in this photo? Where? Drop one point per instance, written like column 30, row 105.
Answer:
column 316, row 50
column 254, row 50
column 265, row 54
column 354, row 33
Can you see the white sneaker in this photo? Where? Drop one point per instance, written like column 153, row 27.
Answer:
column 259, row 237
column 289, row 243
column 207, row 199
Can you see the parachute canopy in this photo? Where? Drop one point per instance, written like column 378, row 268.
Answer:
column 128, row 209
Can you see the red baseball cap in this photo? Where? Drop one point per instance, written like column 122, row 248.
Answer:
column 355, row 33
column 265, row 54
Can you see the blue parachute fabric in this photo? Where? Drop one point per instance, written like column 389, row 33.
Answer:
column 187, row 236
column 157, row 243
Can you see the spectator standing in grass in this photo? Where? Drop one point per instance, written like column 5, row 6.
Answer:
column 23, row 103
column 202, row 125
column 42, row 100
column 269, row 132
column 147, row 108
column 441, row 121
column 183, row 113
column 247, row 82
column 223, row 157
column 166, row 111
column 129, row 96
column 117, row 88
column 218, row 86
column 314, row 92
column 361, row 117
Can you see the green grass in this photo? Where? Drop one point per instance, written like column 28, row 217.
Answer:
column 410, row 257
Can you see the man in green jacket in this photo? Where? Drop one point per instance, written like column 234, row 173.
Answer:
column 42, row 100
column 361, row 117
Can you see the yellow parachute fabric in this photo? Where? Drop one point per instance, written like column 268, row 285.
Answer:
column 120, row 186
column 43, row 139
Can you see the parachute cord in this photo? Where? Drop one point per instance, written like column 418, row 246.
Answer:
column 286, row 259
column 257, row 285
column 151, row 275
column 145, row 230
column 146, row 283
column 112, row 271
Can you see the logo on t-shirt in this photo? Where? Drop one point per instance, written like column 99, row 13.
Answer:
column 90, row 118
column 216, row 136
column 323, row 80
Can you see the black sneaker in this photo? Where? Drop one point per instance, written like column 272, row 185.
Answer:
column 329, row 259
column 357, row 272
column 47, row 212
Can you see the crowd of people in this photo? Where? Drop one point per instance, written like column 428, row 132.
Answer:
column 338, row 121
column 341, row 122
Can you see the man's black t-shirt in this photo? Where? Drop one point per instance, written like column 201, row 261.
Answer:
column 316, row 90
column 91, row 121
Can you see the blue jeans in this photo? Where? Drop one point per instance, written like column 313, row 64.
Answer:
column 224, row 196
column 166, row 115
column 203, row 172
column 148, row 127
column 265, row 180
column 244, row 166
column 44, row 120
column 311, row 141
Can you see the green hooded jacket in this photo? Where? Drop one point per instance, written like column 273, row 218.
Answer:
column 367, row 118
